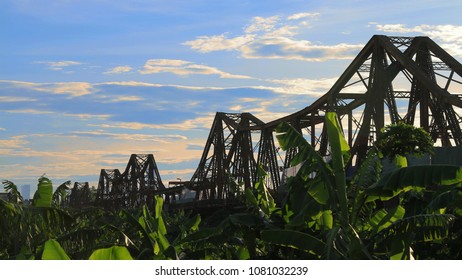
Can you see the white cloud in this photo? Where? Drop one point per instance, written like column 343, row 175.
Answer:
column 206, row 44
column 300, row 86
column 262, row 24
column 311, row 87
column 275, row 38
column 449, row 35
column 119, row 70
column 58, row 65
column 72, row 88
column 184, row 68
column 303, row 15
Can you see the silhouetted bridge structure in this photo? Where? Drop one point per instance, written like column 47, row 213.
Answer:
column 392, row 79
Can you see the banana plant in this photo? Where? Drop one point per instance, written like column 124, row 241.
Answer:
column 14, row 196
column 53, row 251
column 59, row 195
column 347, row 219
column 25, row 228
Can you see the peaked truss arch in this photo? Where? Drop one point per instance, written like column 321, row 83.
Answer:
column 80, row 196
column 136, row 186
column 392, row 79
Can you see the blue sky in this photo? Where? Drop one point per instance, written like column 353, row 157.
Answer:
column 84, row 84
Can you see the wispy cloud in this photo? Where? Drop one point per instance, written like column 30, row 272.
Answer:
column 311, row 87
column 58, row 65
column 184, row 68
column 196, row 123
column 67, row 154
column 132, row 136
column 89, row 116
column 126, row 98
column 303, row 16
column 275, row 38
column 119, row 70
column 14, row 142
column 29, row 111
column 72, row 89
column 48, row 112
column 450, row 35
column 261, row 24
column 16, row 99
column 145, row 84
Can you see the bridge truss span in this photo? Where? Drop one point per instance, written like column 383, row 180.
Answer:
column 392, row 79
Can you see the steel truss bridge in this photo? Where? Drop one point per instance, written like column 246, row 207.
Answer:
column 392, row 79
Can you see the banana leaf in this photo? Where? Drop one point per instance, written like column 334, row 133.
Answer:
column 44, row 194
column 53, row 251
column 295, row 239
column 14, row 195
column 340, row 152
column 425, row 227
column 404, row 179
column 112, row 253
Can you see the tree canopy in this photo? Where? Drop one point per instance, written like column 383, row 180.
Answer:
column 403, row 140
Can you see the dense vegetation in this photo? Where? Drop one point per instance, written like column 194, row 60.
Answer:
column 410, row 212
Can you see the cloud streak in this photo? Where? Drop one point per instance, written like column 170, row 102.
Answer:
column 315, row 88
column 72, row 89
column 58, row 65
column 14, row 142
column 16, row 99
column 119, row 70
column 184, row 68
column 195, row 123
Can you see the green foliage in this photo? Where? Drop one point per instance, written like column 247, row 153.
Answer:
column 44, row 194
column 362, row 224
column 60, row 194
column 112, row 253
column 295, row 239
column 259, row 198
column 340, row 152
column 53, row 251
column 414, row 177
column 404, row 139
column 14, row 196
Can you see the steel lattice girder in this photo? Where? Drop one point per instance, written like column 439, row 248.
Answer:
column 230, row 159
column 136, row 186
column 364, row 112
column 367, row 96
column 371, row 93
column 80, row 195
